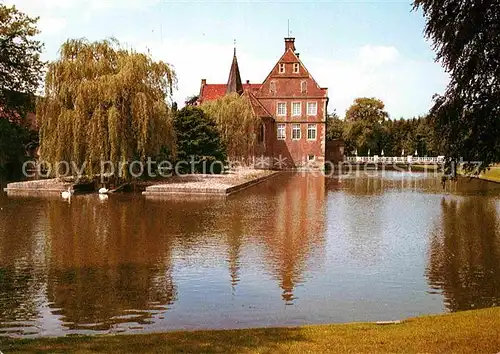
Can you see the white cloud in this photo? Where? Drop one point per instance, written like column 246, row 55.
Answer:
column 405, row 85
column 377, row 55
column 76, row 9
column 38, row 7
column 195, row 61
column 51, row 25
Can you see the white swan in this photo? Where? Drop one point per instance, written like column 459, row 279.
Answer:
column 103, row 191
column 103, row 197
column 67, row 194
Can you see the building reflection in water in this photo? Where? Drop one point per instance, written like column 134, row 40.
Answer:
column 97, row 265
column 464, row 255
column 293, row 233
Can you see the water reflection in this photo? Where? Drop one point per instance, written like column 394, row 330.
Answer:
column 297, row 234
column 335, row 249
column 464, row 258
column 23, row 268
column 100, row 265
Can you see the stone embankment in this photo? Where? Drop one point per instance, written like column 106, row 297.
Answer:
column 216, row 185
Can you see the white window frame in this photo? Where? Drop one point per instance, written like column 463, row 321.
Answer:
column 281, row 131
column 309, row 158
column 293, row 109
column 281, row 68
column 296, row 68
column 312, row 128
column 315, row 105
column 296, row 128
column 278, row 105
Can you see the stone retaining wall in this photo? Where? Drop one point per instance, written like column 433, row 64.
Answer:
column 208, row 185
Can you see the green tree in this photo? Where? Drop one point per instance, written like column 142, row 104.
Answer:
column 236, row 122
column 105, row 103
column 11, row 145
column 364, row 125
column 466, row 35
column 20, row 64
column 197, row 138
column 366, row 109
column 334, row 127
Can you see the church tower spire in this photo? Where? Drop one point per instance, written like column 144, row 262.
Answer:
column 234, row 81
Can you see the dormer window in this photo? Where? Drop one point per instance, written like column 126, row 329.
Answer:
column 281, row 68
column 296, row 67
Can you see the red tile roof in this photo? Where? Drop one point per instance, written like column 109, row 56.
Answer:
column 214, row 91
column 258, row 108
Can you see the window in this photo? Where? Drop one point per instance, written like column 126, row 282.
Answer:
column 296, row 109
column 311, row 132
column 281, row 109
column 272, row 87
column 282, row 68
column 310, row 157
column 281, row 131
column 295, row 68
column 296, row 131
column 303, row 87
column 312, row 108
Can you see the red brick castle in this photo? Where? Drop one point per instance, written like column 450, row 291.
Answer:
column 292, row 107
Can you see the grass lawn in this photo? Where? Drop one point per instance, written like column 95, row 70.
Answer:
column 475, row 331
column 491, row 174
column 427, row 168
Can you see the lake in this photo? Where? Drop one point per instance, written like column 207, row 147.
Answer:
column 296, row 249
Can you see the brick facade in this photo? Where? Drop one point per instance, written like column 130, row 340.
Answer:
column 292, row 107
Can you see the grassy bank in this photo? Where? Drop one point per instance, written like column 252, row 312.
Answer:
column 465, row 332
column 427, row 168
column 492, row 174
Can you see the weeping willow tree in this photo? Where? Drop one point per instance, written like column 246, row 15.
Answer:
column 105, row 103
column 236, row 122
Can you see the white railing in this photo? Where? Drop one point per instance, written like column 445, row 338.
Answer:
column 395, row 160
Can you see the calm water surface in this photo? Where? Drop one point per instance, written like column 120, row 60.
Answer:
column 297, row 249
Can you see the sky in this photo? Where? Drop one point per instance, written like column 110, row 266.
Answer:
column 355, row 48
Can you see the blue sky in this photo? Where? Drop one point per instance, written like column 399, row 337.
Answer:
column 355, row 48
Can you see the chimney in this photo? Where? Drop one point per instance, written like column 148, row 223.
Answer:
column 290, row 44
column 248, row 82
column 203, row 82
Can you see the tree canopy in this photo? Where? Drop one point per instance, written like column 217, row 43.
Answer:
column 236, row 122
column 372, row 130
column 334, row 127
column 105, row 103
column 466, row 37
column 366, row 109
column 12, row 150
column 20, row 64
column 364, row 124
column 198, row 138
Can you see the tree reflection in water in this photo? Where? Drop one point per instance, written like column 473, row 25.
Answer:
column 108, row 264
column 23, row 267
column 464, row 261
